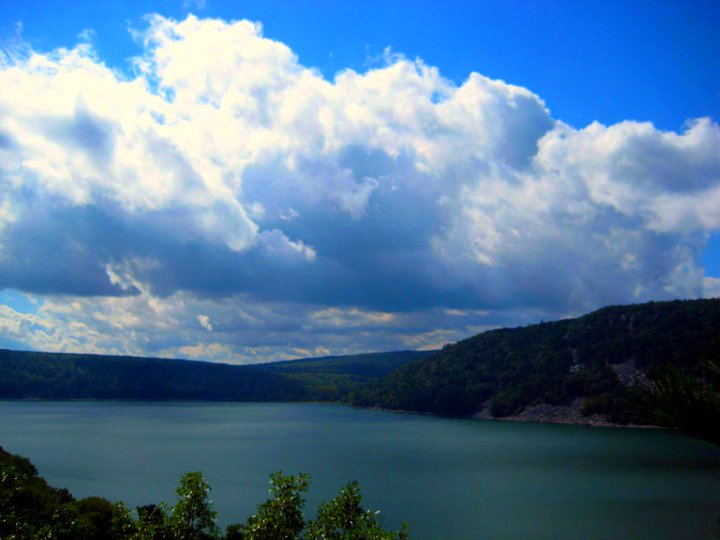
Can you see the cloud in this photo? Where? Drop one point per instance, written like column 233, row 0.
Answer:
column 234, row 329
column 367, row 207
column 711, row 287
column 204, row 321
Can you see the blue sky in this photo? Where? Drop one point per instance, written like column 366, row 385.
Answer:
column 347, row 177
column 598, row 60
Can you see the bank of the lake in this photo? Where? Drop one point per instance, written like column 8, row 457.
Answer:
column 570, row 413
column 455, row 479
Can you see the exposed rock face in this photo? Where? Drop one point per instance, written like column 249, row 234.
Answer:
column 552, row 414
column 629, row 374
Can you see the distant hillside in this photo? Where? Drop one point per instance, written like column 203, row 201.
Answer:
column 38, row 375
column 575, row 370
column 34, row 375
column 578, row 366
column 332, row 378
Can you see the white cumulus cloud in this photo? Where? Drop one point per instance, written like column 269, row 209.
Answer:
column 222, row 168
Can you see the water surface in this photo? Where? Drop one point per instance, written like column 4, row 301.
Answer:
column 450, row 479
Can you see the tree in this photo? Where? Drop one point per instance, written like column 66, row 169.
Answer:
column 100, row 519
column 193, row 517
column 281, row 517
column 122, row 524
column 684, row 403
column 343, row 518
column 152, row 523
column 30, row 508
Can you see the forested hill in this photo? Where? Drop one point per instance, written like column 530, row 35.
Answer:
column 37, row 375
column 581, row 367
column 40, row 375
column 587, row 363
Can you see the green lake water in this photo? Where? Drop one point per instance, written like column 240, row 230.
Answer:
column 450, row 479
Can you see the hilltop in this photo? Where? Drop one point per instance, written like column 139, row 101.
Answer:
column 43, row 375
column 575, row 370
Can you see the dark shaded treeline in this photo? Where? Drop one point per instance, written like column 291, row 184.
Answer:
column 334, row 378
column 594, row 359
column 597, row 357
column 39, row 375
column 32, row 375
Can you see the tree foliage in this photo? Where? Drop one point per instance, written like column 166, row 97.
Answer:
column 557, row 362
column 31, row 509
column 281, row 517
column 685, row 402
column 39, row 375
column 193, row 517
column 344, row 518
column 506, row 370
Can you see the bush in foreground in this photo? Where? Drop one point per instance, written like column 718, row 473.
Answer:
column 31, row 509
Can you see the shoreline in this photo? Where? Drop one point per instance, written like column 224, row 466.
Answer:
column 569, row 414
column 536, row 414
column 587, row 422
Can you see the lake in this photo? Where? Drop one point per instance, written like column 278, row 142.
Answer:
column 450, row 479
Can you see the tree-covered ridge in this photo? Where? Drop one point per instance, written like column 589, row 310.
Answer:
column 37, row 375
column 334, row 378
column 362, row 366
column 31, row 509
column 587, row 363
column 79, row 376
column 557, row 362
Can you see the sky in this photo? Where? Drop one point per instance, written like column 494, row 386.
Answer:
column 251, row 181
